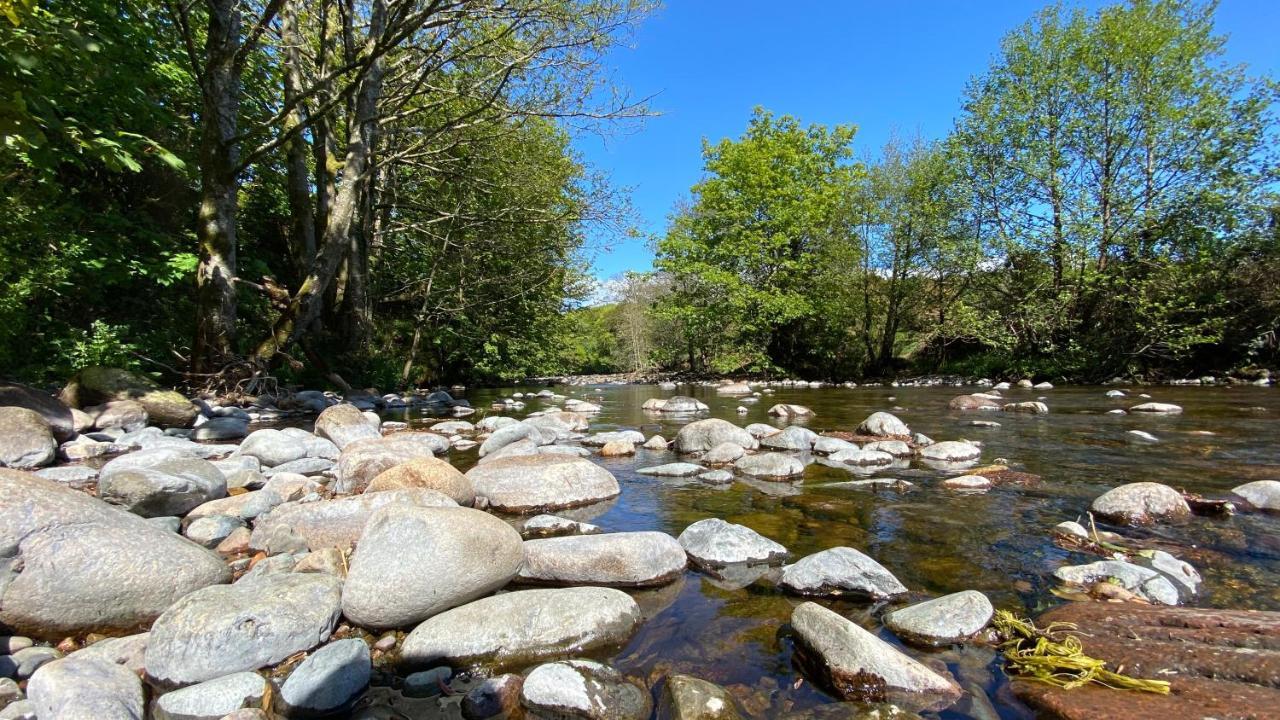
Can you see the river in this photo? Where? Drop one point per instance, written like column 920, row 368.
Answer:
column 935, row 540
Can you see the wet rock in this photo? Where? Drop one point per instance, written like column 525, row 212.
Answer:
column 657, row 442
column 1151, row 585
column 792, row 437
column 1141, row 503
column 212, row 699
column 494, row 697
column 702, row 435
column 723, row 454
column 1220, row 663
column 79, row 565
column 949, row 619
column 328, row 681
column 428, row 683
column 344, row 424
column 951, row 451
column 96, row 385
column 542, row 482
column 172, row 487
column 770, row 466
column 1141, row 436
column 673, row 470
column 974, row 402
column 395, row 579
column 618, row 448
column 86, row 688
column 583, row 689
column 55, row 413
column 687, row 698
column 785, row 410
column 225, row 629
column 860, row 666
column 883, row 424
column 427, row 473
column 26, row 441
column 362, row 461
column 861, row 457
column 1183, row 576
column 545, row 526
column 273, row 447
column 626, row 559
column 840, row 571
column 1261, row 494
column 716, row 477
column 716, row 543
column 967, row 482
column 1158, row 408
column 1030, row 407
column 516, row 628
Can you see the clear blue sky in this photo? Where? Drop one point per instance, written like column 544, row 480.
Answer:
column 883, row 66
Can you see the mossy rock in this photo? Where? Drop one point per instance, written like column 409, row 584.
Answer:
column 95, row 385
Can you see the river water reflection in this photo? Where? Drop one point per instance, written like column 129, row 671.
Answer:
column 935, row 540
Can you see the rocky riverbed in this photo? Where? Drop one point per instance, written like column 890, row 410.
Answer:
column 695, row 551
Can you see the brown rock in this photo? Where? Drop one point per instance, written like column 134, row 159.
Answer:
column 972, row 402
column 428, row 473
column 96, row 385
column 1220, row 663
column 618, row 448
column 53, row 410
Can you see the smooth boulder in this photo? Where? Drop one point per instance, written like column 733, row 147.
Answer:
column 583, row 689
column 26, row 440
column 86, row 688
column 770, row 466
column 883, row 424
column 328, row 681
column 1141, row 503
column 251, row 624
column 79, row 565
column 540, row 483
column 949, row 619
column 625, row 559
column 363, row 460
column 426, row 473
column 59, row 417
column 344, row 424
column 1261, row 494
column 212, row 699
column 524, row 626
column 414, row 562
column 702, row 435
column 96, row 385
column 715, row 543
column 172, row 487
column 840, row 571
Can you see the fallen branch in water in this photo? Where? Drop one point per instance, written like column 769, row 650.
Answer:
column 1055, row 657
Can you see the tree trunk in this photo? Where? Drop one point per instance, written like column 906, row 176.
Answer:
column 307, row 301
column 219, row 190
column 302, row 236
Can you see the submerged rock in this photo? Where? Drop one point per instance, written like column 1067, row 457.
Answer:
column 949, row 619
column 687, row 698
column 583, row 689
column 840, row 571
column 1261, row 494
column 519, row 627
column 1141, row 503
column 860, row 666
column 1150, row 584
column 770, row 466
column 673, row 470
column 414, row 562
column 1030, row 407
column 626, row 559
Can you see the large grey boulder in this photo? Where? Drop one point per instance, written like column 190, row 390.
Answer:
column 509, row 434
column 173, row 487
column 124, row 415
column 396, row 578
column 254, row 623
column 792, row 437
column 635, row 437
column 860, row 666
column 702, row 435
column 883, row 424
column 1141, row 503
column 539, row 483
column 520, row 627
column 583, row 689
column 715, row 543
column 770, row 466
column 723, row 454
column 942, row 621
column 1261, row 494
column 344, row 424
column 54, row 411
column 212, row 699
column 626, row 559
column 273, row 447
column 96, row 385
column 86, row 688
column 840, row 571
column 681, row 405
column 362, row 461
column 328, row 681
column 426, row 473
column 78, row 565
column 26, row 441
column 826, row 445
column 333, row 523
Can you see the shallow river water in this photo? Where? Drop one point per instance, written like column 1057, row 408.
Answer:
column 935, row 540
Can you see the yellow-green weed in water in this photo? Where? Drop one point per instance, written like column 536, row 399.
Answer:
column 1054, row 656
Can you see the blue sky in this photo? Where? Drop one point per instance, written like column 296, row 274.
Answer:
column 884, row 66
